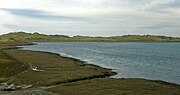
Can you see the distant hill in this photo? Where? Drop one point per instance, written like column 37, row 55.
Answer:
column 36, row 37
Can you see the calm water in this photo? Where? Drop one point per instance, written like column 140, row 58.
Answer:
column 157, row 61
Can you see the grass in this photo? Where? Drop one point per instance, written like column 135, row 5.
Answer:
column 108, row 86
column 56, row 69
column 3, row 80
column 9, row 66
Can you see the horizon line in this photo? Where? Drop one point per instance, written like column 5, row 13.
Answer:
column 90, row 35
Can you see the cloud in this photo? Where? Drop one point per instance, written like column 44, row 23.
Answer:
column 161, row 26
column 91, row 17
column 39, row 14
column 167, row 6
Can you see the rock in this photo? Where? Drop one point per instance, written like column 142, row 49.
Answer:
column 2, row 86
column 34, row 68
column 11, row 87
column 37, row 70
column 24, row 86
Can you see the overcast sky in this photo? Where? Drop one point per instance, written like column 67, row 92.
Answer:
column 91, row 17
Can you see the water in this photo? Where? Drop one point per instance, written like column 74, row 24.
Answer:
column 157, row 61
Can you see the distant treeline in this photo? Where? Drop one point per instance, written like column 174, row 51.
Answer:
column 36, row 37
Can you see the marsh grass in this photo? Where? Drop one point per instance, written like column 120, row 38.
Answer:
column 108, row 86
column 10, row 66
column 3, row 80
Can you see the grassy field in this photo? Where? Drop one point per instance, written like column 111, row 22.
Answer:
column 108, row 86
column 9, row 66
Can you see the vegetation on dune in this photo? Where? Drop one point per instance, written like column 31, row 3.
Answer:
column 10, row 43
column 107, row 86
column 36, row 37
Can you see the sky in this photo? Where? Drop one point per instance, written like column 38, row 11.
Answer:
column 91, row 17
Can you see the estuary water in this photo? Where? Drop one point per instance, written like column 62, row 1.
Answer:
column 156, row 61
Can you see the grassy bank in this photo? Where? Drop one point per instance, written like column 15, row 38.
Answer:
column 107, row 86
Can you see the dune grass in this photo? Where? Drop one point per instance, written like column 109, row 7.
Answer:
column 36, row 37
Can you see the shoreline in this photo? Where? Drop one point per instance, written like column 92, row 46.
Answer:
column 84, row 63
column 71, row 58
column 80, row 63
